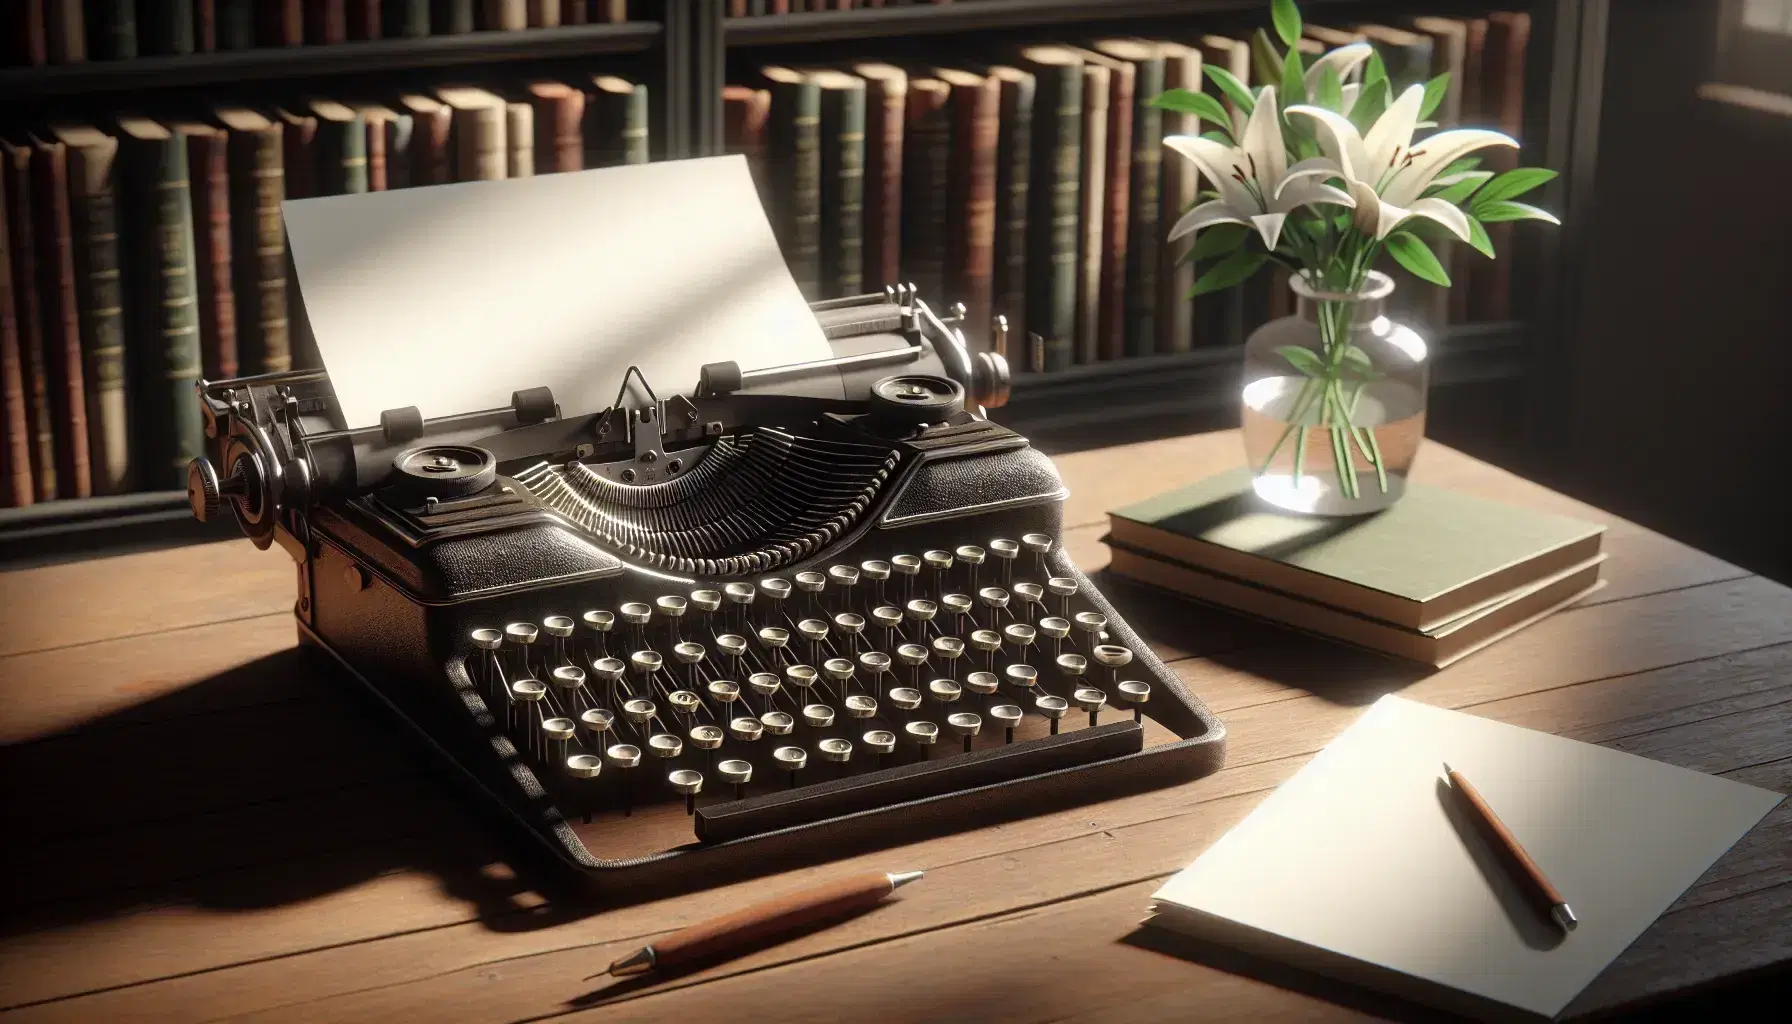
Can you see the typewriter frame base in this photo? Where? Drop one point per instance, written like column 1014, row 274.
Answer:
column 568, row 867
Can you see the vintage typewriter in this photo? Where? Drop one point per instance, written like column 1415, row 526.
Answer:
column 733, row 626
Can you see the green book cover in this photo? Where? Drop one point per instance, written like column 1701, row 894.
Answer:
column 842, row 183
column 1055, row 192
column 1429, row 557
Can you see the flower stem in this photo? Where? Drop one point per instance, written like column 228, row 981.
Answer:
column 1295, row 413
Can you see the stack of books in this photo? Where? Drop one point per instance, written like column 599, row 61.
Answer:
column 1436, row 577
column 1031, row 182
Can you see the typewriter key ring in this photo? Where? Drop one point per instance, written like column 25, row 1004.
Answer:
column 970, row 556
column 1052, row 707
column 598, row 624
column 1007, row 716
column 881, row 742
column 1005, row 552
column 1129, row 691
column 877, row 571
column 1040, row 545
column 777, row 723
column 792, row 760
column 688, row 784
column 746, row 730
column 850, row 625
column 585, row 767
column 625, row 757
column 965, row 724
column 737, row 773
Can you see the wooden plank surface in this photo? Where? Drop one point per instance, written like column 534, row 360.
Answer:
column 250, row 848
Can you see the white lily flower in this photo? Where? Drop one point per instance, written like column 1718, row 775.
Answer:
column 1387, row 173
column 1344, row 60
column 1257, row 187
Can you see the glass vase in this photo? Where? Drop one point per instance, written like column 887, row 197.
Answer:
column 1334, row 402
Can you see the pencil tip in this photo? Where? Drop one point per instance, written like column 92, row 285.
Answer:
column 898, row 879
column 1447, row 768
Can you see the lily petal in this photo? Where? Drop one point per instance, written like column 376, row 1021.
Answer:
column 1315, row 166
column 1443, row 213
column 1307, row 192
column 1262, row 141
column 1269, row 225
column 1339, row 138
column 1373, row 216
column 1217, row 162
column 1348, row 97
column 1391, row 134
column 1434, row 154
column 1214, row 211
column 1343, row 60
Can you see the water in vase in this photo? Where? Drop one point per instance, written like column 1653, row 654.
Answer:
column 1392, row 409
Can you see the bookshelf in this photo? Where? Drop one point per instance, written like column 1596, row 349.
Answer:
column 684, row 51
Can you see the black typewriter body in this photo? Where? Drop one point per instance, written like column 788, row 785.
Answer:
column 729, row 629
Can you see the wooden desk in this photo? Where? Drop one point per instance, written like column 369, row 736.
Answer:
column 197, row 827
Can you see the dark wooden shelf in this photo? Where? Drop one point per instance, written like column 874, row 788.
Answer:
column 271, row 63
column 929, row 19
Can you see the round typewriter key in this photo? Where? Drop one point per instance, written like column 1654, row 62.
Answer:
column 646, row 663
column 737, row 773
column 568, row 682
column 1091, row 700
column 740, row 596
column 812, row 584
column 584, row 766
column 487, row 639
column 1052, row 707
column 763, row 683
column 1023, row 677
column 843, row 578
column 877, row 571
column 944, row 690
column 491, row 673
column 950, row 649
column 835, row 749
column 706, row 601
column 996, row 600
column 905, row 698
column 639, row 711
column 1131, row 691
column 920, row 611
column 635, row 615
column 818, row 716
column 687, row 784
column 839, row 670
column 860, row 706
column 882, row 742
column 732, row 646
column 1005, row 550
column 1113, row 658
column 801, row 679
column 724, row 691
column 922, row 734
column 671, row 608
column 521, row 632
column 689, row 655
column 745, row 729
column 557, row 625
column 908, row 567
column 1057, row 629
column 519, row 639
column 597, row 721
column 684, row 704
column 877, row 663
column 532, row 691
column 1032, row 599
column 816, row 632
column 850, row 625
column 707, row 738
column 1007, row 716
column 965, row 724
column 791, row 759
column 941, row 564
column 624, row 756
column 957, row 606
column 609, row 671
column 913, row 656
column 664, row 745
column 775, row 591
column 555, row 732
column 1093, row 624
column 971, row 557
column 1072, row 665
column 598, row 621
column 989, row 642
column 1021, row 636
column 774, row 639
column 777, row 723
column 890, row 618
column 1064, row 588
column 983, row 683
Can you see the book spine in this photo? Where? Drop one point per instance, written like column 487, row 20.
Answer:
column 432, row 135
column 842, row 192
column 94, row 215
column 16, row 484
column 744, row 112
column 612, row 11
column 1180, row 183
column 405, row 19
column 1468, row 273
column 377, row 131
column 574, row 12
column 208, row 162
column 544, row 13
column 504, row 15
column 169, row 431
column 112, row 29
column 1116, row 213
column 326, row 22
column 971, row 199
column 1093, row 205
column 1144, row 247
column 451, row 17
column 34, row 362
column 398, row 131
column 616, row 128
column 364, row 19
column 236, row 24
column 519, row 140
column 61, row 317
column 342, row 156
column 165, row 27
column 926, row 175
column 1053, row 215
column 280, row 22
column 1508, row 36
column 27, row 36
column 793, row 136
column 1014, row 139
column 559, row 140
column 479, row 143
column 885, row 103
column 65, row 32
column 258, row 186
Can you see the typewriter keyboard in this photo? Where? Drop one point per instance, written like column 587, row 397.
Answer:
column 698, row 698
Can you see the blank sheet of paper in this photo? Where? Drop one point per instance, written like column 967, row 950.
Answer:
column 1360, row 860
column 450, row 298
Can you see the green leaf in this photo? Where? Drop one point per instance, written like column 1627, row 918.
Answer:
column 1203, row 106
column 1234, row 89
column 1218, row 240
column 1266, row 63
column 1411, row 252
column 1435, row 91
column 1374, row 70
column 1467, row 163
column 1287, row 21
column 1504, row 210
column 1515, row 183
column 1219, row 135
column 1303, row 359
column 1357, row 361
column 1477, row 237
column 1232, row 270
column 1294, row 83
column 1461, row 190
column 1330, row 91
column 1370, row 104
